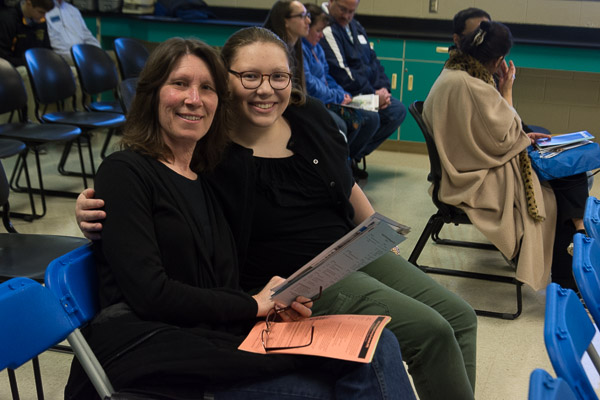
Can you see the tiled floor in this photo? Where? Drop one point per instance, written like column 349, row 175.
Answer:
column 507, row 350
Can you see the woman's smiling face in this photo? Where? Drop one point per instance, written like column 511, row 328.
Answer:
column 187, row 102
column 263, row 106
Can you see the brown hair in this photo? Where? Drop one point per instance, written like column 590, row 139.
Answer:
column 275, row 22
column 142, row 131
column 247, row 36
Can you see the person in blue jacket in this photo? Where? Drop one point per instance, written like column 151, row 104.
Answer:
column 354, row 65
column 361, row 124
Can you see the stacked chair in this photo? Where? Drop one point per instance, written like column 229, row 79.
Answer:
column 572, row 338
column 569, row 335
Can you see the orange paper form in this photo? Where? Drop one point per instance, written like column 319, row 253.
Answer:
column 345, row 337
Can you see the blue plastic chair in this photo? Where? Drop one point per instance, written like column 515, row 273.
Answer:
column 568, row 333
column 32, row 321
column 72, row 278
column 591, row 217
column 542, row 386
column 586, row 270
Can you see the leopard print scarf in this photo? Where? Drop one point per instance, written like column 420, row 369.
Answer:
column 464, row 62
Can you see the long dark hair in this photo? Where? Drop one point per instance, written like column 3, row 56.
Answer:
column 275, row 22
column 247, row 36
column 487, row 43
column 142, row 130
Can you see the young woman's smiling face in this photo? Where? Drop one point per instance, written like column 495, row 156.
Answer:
column 263, row 106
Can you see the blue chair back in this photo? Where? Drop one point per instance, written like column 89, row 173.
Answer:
column 591, row 217
column 542, row 386
column 32, row 321
column 568, row 332
column 73, row 280
column 586, row 270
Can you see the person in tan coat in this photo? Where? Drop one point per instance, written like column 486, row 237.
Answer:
column 485, row 169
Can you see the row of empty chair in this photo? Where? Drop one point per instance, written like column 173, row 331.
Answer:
column 572, row 339
column 53, row 85
column 25, row 256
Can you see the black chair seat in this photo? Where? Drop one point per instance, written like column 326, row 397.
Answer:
column 38, row 134
column 29, row 255
column 9, row 147
column 85, row 119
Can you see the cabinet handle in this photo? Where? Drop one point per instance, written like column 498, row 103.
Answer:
column 410, row 82
column 441, row 49
column 394, row 79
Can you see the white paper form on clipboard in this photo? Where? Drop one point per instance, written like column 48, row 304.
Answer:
column 367, row 242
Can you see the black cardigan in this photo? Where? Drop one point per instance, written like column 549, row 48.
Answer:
column 315, row 137
column 172, row 312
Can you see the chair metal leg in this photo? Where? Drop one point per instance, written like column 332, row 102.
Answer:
column 485, row 277
column 41, row 190
column 14, row 389
column 109, row 135
column 432, row 229
column 37, row 373
column 19, row 168
column 65, row 156
column 434, row 224
column 450, row 242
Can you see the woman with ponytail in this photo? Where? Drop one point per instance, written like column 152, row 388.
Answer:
column 486, row 170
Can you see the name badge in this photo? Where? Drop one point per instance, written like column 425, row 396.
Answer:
column 362, row 39
column 56, row 18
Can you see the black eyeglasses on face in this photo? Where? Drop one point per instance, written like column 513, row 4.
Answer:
column 300, row 15
column 253, row 80
column 272, row 314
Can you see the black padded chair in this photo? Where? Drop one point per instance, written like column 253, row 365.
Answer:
column 97, row 74
column 53, row 84
column 131, row 56
column 448, row 214
column 27, row 254
column 13, row 99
